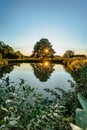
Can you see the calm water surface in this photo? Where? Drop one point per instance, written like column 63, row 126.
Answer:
column 41, row 76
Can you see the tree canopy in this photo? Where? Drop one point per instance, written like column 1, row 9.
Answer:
column 43, row 48
column 7, row 51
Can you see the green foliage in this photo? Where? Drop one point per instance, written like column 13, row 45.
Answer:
column 7, row 51
column 80, row 77
column 22, row 108
column 81, row 114
column 80, row 86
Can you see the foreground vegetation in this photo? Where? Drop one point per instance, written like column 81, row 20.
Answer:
column 22, row 108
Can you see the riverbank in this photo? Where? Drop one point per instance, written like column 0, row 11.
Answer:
column 73, row 64
column 37, row 60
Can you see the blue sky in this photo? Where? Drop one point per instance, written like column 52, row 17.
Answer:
column 62, row 22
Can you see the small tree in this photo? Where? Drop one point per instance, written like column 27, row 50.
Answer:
column 43, row 48
column 68, row 54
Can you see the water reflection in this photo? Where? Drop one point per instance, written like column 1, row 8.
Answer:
column 43, row 70
column 4, row 70
column 7, row 69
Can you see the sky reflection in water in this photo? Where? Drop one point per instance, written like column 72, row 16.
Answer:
column 41, row 75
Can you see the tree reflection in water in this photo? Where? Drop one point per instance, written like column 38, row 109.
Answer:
column 7, row 69
column 43, row 70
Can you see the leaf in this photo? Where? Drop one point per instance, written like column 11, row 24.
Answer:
column 2, row 121
column 8, row 101
column 4, row 109
column 3, row 126
column 28, row 126
column 55, row 114
column 15, row 119
column 81, row 118
column 75, row 127
column 83, row 101
column 12, row 123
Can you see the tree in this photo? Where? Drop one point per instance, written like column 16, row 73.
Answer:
column 7, row 51
column 17, row 55
column 42, row 49
column 68, row 54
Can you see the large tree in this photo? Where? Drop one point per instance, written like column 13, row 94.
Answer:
column 43, row 48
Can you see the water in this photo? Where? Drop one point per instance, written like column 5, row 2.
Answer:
column 40, row 75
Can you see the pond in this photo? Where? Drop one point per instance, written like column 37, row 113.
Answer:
column 39, row 75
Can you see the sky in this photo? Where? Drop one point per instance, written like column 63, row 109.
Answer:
column 62, row 22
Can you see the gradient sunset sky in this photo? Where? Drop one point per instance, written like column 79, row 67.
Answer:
column 62, row 22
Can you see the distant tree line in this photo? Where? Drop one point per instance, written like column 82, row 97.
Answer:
column 70, row 54
column 42, row 49
column 7, row 51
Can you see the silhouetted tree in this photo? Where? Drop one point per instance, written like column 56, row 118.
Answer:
column 43, row 48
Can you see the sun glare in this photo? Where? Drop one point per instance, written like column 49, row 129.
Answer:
column 46, row 63
column 46, row 50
